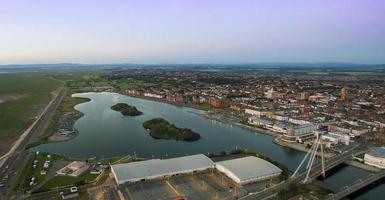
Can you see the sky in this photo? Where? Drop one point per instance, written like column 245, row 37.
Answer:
column 192, row 31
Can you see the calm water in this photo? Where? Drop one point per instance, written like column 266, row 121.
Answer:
column 347, row 175
column 106, row 133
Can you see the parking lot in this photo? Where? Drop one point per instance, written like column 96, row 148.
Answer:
column 203, row 185
column 102, row 192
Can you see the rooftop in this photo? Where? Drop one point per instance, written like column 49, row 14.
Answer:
column 249, row 168
column 136, row 171
column 378, row 152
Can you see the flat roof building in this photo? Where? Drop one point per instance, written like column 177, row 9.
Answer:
column 73, row 169
column 376, row 158
column 158, row 168
column 248, row 169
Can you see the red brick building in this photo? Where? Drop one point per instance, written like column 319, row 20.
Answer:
column 216, row 103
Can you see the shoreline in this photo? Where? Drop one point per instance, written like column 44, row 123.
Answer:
column 207, row 116
column 165, row 101
column 52, row 137
column 205, row 113
column 298, row 147
column 276, row 136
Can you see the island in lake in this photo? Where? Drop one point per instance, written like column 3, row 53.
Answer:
column 161, row 129
column 126, row 109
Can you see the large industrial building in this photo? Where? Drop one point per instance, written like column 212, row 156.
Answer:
column 158, row 168
column 248, row 169
column 376, row 158
column 241, row 170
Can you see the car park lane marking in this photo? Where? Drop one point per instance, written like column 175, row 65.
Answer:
column 172, row 187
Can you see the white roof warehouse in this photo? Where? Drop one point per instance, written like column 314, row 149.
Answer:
column 157, row 168
column 248, row 169
column 241, row 170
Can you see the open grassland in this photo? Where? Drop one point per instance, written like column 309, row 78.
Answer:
column 24, row 96
column 76, row 81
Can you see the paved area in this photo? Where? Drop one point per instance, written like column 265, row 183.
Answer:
column 103, row 193
column 205, row 185
column 52, row 172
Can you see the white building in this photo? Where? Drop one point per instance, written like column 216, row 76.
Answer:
column 353, row 131
column 301, row 129
column 281, row 127
column 152, row 95
column 271, row 94
column 280, row 118
column 335, row 138
column 248, row 169
column 258, row 113
column 158, row 168
column 73, row 169
column 298, row 121
column 376, row 158
column 260, row 121
column 299, row 133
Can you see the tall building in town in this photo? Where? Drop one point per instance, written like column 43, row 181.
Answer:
column 344, row 94
column 271, row 94
column 305, row 96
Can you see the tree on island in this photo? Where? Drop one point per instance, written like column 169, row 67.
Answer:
column 159, row 128
column 126, row 109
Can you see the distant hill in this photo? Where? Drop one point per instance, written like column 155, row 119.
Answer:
column 192, row 65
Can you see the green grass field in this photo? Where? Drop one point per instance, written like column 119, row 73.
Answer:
column 22, row 97
column 62, row 181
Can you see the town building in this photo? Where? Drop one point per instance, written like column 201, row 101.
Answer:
column 376, row 158
column 305, row 96
column 280, row 117
column 344, row 94
column 303, row 110
column 260, row 122
column 216, row 103
column 236, row 108
column 299, row 133
column 333, row 138
column 153, row 95
column 271, row 94
column 248, row 169
column 352, row 130
column 73, row 169
column 255, row 112
column 159, row 168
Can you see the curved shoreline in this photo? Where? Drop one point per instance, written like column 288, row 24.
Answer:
column 77, row 115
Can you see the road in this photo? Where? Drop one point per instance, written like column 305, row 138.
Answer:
column 19, row 152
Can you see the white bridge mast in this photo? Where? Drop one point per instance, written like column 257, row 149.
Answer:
column 312, row 152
